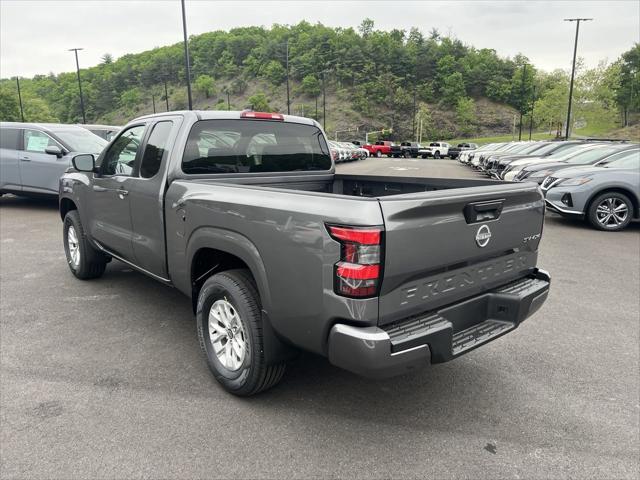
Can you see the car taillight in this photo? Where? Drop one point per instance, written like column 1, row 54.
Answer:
column 358, row 273
column 262, row 115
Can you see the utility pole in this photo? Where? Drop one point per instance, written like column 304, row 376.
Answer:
column 166, row 95
column 288, row 99
column 533, row 103
column 20, row 99
column 573, row 68
column 316, row 118
column 153, row 101
column 228, row 101
column 84, row 117
column 524, row 74
column 186, row 56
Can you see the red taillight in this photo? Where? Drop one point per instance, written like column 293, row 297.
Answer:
column 358, row 273
column 262, row 116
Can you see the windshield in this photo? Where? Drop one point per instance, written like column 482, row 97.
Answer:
column 232, row 146
column 591, row 156
column 519, row 147
column 81, row 140
column 629, row 159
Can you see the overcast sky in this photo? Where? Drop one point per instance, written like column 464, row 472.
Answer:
column 35, row 35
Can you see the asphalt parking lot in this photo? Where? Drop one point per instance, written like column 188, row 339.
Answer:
column 104, row 379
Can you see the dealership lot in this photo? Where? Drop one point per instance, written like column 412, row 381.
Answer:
column 105, row 379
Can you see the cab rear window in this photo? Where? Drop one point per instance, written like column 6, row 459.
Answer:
column 248, row 146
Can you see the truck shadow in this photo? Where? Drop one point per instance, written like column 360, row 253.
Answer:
column 9, row 201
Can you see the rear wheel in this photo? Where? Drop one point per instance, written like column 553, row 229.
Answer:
column 436, row 155
column 407, row 154
column 230, row 334
column 378, row 154
column 610, row 211
column 84, row 261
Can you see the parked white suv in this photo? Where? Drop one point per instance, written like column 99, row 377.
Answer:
column 435, row 150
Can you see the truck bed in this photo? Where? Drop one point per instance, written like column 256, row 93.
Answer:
column 431, row 226
column 357, row 185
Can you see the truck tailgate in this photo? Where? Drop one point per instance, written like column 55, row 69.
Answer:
column 446, row 245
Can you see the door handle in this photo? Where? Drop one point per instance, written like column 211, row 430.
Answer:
column 122, row 193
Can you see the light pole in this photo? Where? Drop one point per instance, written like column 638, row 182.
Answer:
column 153, row 100
column 84, row 117
column 186, row 56
column 573, row 67
column 20, row 99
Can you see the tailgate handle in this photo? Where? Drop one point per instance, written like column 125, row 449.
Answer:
column 483, row 211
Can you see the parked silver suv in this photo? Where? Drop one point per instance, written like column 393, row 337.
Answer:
column 33, row 156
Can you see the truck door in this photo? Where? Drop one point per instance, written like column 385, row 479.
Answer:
column 111, row 217
column 146, row 194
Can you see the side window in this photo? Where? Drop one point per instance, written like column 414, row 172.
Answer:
column 121, row 157
column 37, row 141
column 156, row 149
column 9, row 138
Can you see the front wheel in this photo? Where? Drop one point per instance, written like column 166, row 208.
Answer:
column 230, row 334
column 84, row 261
column 378, row 154
column 436, row 155
column 610, row 211
column 407, row 155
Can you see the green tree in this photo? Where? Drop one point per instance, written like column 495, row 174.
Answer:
column 259, row 102
column 204, row 85
column 311, row 85
column 274, row 72
column 466, row 116
column 627, row 92
column 37, row 110
column 452, row 89
column 9, row 108
column 130, row 98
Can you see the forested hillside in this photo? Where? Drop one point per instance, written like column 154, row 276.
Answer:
column 372, row 80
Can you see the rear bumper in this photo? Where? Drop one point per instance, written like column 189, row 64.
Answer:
column 438, row 336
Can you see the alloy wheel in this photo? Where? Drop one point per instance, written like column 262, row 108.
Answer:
column 612, row 212
column 227, row 335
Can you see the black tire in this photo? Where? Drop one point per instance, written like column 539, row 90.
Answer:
column 378, row 153
column 91, row 263
column 617, row 199
column 254, row 375
column 436, row 155
column 407, row 154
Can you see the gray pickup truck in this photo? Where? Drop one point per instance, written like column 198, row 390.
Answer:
column 244, row 213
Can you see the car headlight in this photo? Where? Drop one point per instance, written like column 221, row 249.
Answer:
column 573, row 182
column 541, row 173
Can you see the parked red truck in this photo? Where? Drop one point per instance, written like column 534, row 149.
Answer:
column 379, row 149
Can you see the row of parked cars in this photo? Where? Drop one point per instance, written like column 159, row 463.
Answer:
column 33, row 156
column 347, row 151
column 406, row 149
column 595, row 179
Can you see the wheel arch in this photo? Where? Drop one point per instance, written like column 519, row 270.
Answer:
column 213, row 250
column 65, row 206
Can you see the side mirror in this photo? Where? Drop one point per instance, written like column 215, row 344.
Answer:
column 54, row 150
column 84, row 162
